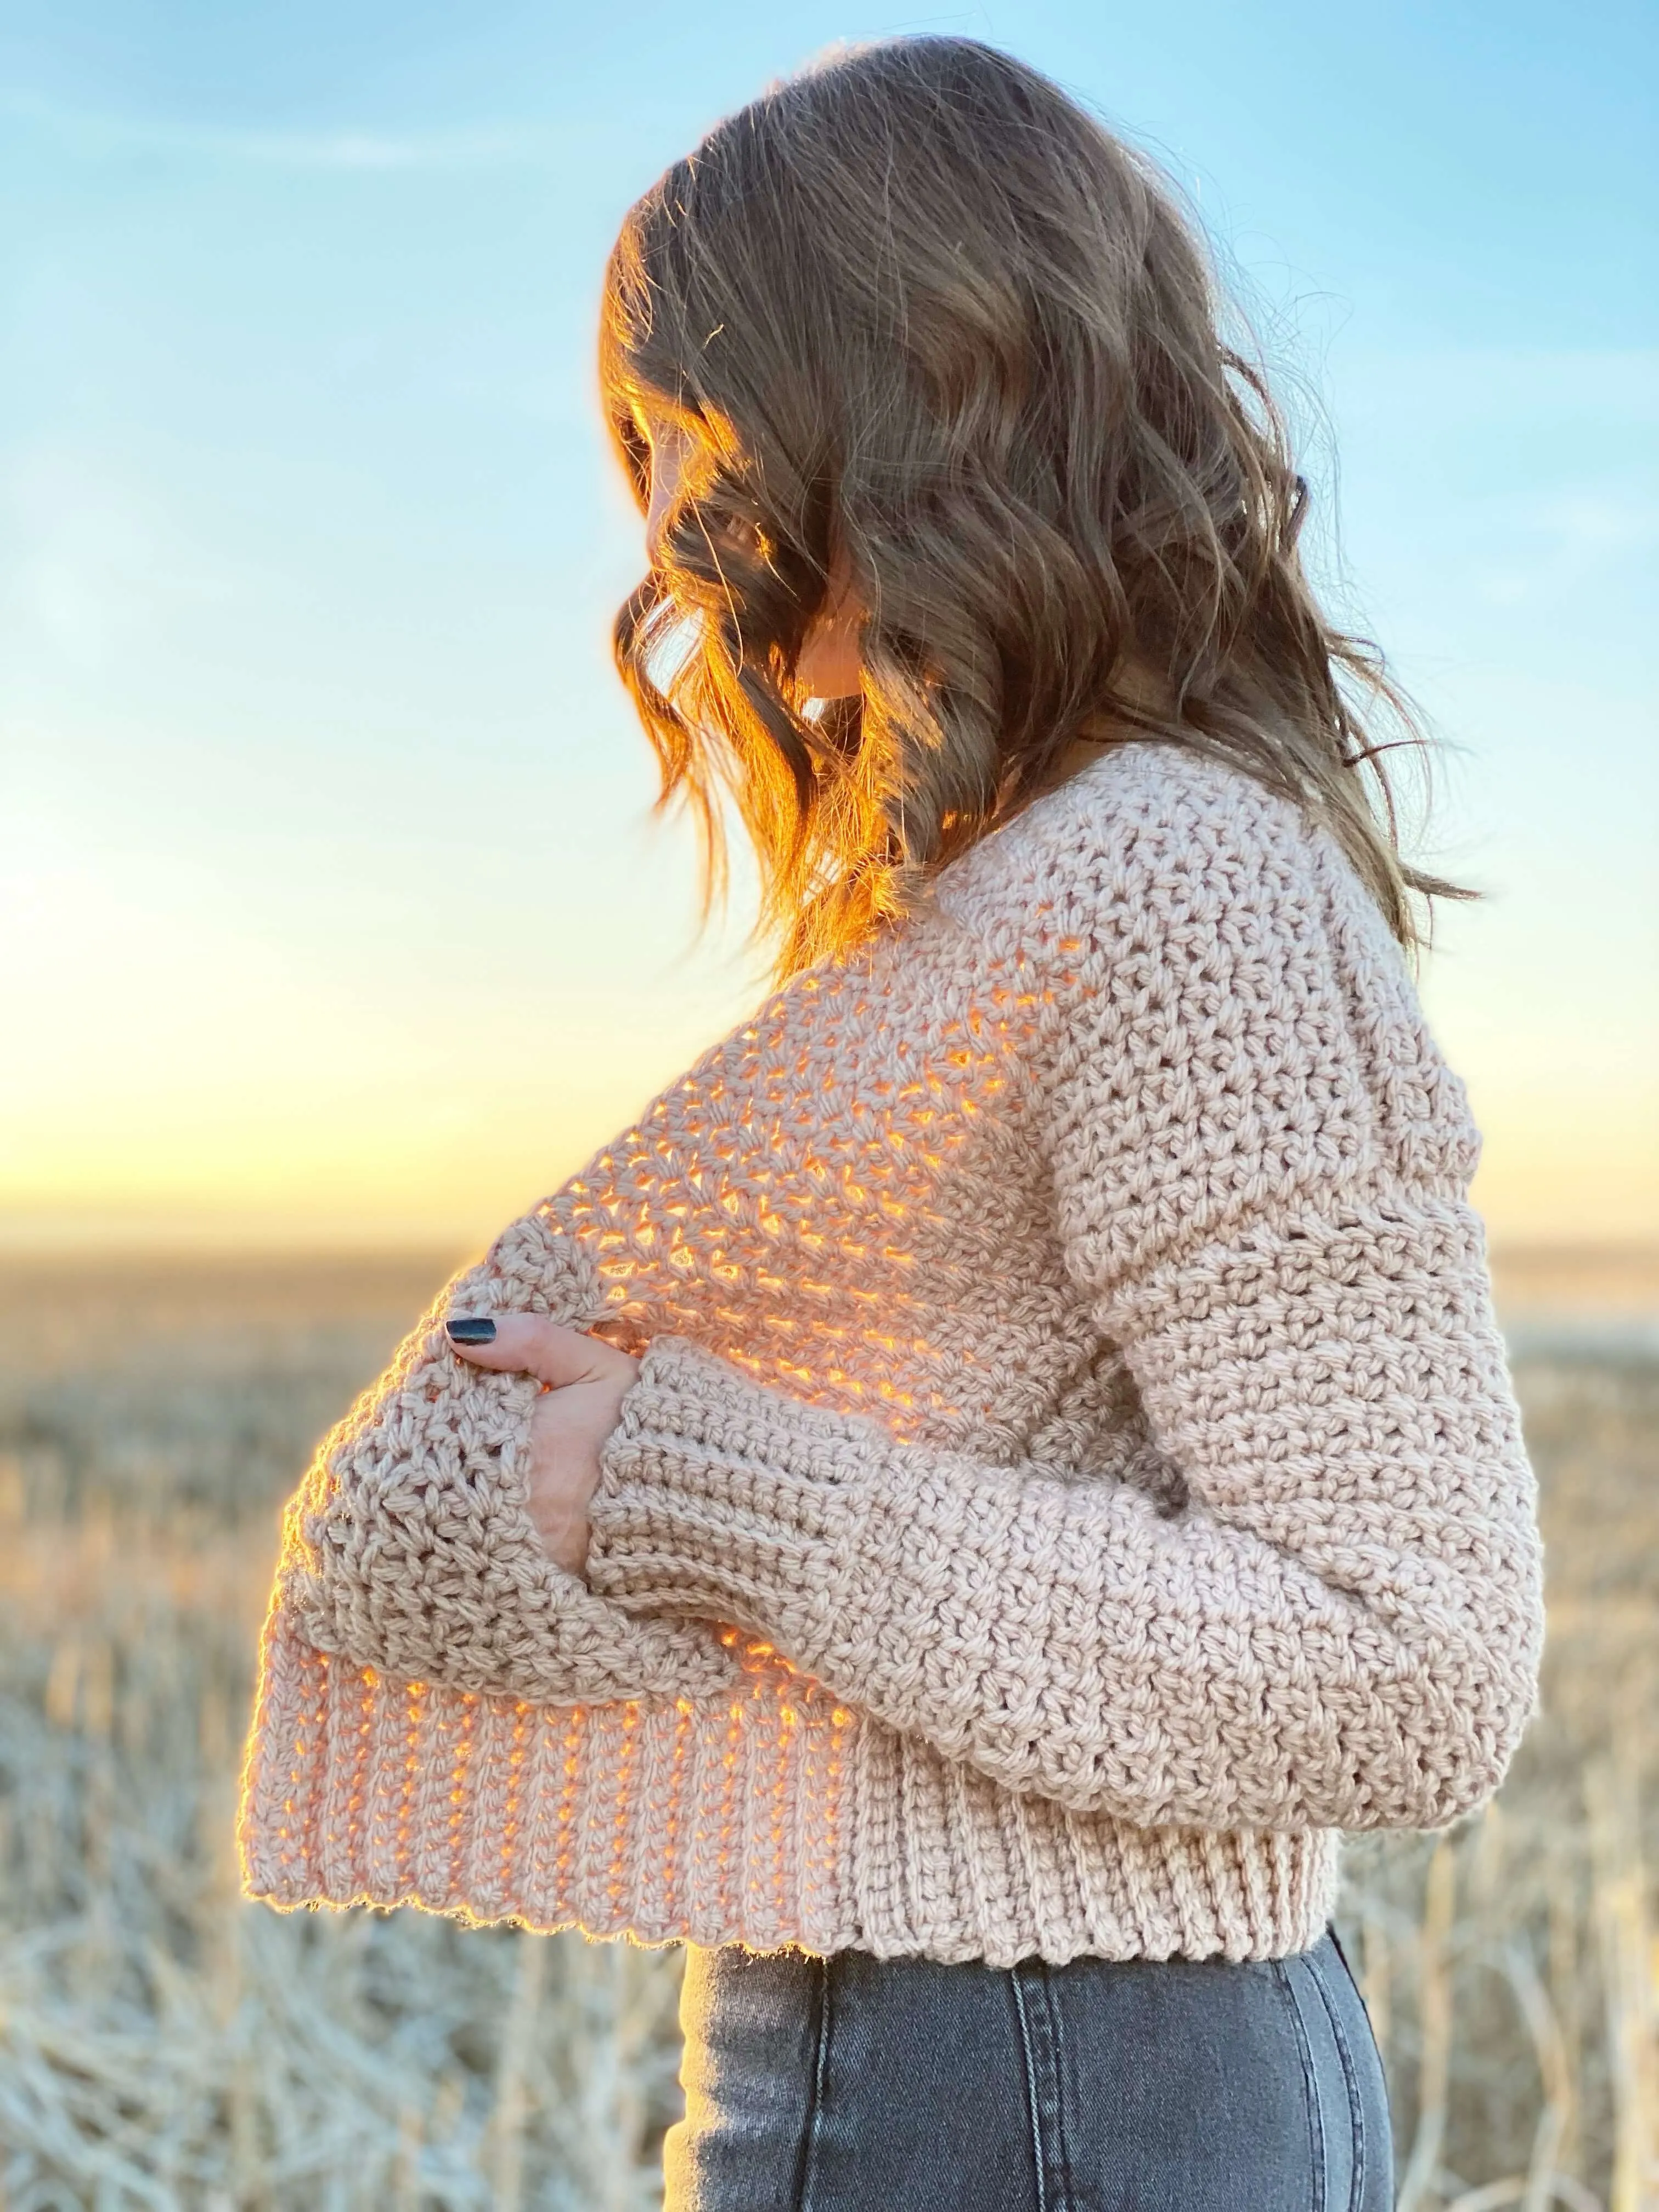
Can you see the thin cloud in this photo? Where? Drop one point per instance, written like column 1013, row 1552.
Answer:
column 96, row 135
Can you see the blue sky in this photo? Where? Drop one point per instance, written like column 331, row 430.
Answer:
column 330, row 907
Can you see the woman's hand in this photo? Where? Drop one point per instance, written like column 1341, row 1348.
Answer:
column 586, row 1379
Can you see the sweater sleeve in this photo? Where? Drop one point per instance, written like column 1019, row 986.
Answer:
column 1259, row 1173
column 409, row 1548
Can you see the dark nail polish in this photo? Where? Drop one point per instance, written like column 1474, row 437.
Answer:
column 479, row 1331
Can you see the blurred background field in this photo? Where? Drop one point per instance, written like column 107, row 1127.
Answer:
column 163, row 2043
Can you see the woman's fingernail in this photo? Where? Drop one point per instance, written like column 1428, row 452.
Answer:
column 481, row 1330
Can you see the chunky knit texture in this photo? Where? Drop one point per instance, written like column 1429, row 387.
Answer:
column 1071, row 1476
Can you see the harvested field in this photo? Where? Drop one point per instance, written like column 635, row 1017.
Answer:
column 165, row 2044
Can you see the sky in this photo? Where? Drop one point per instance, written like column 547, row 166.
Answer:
column 332, row 909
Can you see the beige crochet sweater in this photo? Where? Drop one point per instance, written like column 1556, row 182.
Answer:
column 1072, row 1473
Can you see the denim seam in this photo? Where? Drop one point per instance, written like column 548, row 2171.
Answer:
column 809, row 2142
column 1033, row 2100
column 1057, row 2053
column 1315, row 2110
column 1350, row 2075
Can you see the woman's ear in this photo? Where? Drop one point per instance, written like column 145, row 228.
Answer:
column 830, row 662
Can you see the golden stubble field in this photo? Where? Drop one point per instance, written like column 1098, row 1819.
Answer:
column 164, row 2043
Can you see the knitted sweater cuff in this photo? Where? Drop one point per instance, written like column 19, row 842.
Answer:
column 717, row 1498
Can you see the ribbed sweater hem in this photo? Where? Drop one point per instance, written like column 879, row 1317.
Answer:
column 772, row 1817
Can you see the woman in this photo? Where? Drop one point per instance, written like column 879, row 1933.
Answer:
column 953, row 1512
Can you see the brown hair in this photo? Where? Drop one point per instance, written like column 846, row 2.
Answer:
column 914, row 310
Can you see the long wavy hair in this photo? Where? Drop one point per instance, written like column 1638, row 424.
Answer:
column 920, row 320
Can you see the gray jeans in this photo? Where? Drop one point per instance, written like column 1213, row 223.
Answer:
column 855, row 2084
